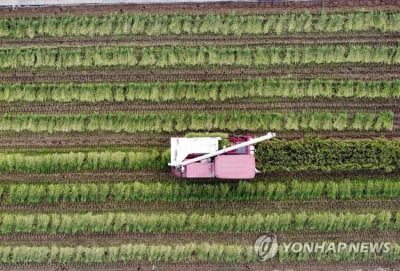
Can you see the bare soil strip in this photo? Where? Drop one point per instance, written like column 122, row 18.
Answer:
column 205, row 207
column 351, row 105
column 115, row 239
column 396, row 122
column 270, row 265
column 368, row 73
column 193, row 40
column 63, row 140
column 96, row 176
column 206, row 8
column 66, row 140
column 166, row 176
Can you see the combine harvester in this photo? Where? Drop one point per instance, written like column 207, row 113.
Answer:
column 199, row 157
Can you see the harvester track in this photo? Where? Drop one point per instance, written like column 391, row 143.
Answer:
column 378, row 39
column 371, row 72
column 134, row 107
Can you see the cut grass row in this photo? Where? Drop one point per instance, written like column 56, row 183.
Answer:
column 197, row 91
column 177, row 192
column 184, row 253
column 163, row 57
column 173, row 122
column 325, row 155
column 231, row 24
column 79, row 161
column 171, row 222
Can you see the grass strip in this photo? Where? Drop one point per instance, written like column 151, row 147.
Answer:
column 79, row 161
column 174, row 122
column 197, row 91
column 123, row 222
column 231, row 24
column 189, row 252
column 136, row 191
column 178, row 56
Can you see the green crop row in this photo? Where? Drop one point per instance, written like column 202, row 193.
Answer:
column 231, row 24
column 182, row 222
column 189, row 252
column 328, row 155
column 220, row 192
column 197, row 91
column 315, row 154
column 78, row 161
column 195, row 121
column 86, row 57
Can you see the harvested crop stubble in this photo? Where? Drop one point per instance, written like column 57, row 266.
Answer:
column 189, row 252
column 136, row 191
column 231, row 24
column 197, row 91
column 123, row 222
column 328, row 155
column 78, row 161
column 195, row 121
column 161, row 57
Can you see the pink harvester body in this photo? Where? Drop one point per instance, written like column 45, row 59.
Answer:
column 200, row 157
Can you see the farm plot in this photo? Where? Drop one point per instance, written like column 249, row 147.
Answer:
column 89, row 99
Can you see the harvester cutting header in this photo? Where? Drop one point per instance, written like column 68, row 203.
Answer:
column 199, row 157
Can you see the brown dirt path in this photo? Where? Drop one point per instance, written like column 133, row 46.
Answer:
column 351, row 105
column 166, row 176
column 207, row 206
column 272, row 265
column 114, row 239
column 242, row 8
column 368, row 73
column 378, row 39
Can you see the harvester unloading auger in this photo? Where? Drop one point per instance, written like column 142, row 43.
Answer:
column 199, row 157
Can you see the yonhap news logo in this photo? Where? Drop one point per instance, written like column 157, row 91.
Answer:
column 267, row 247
